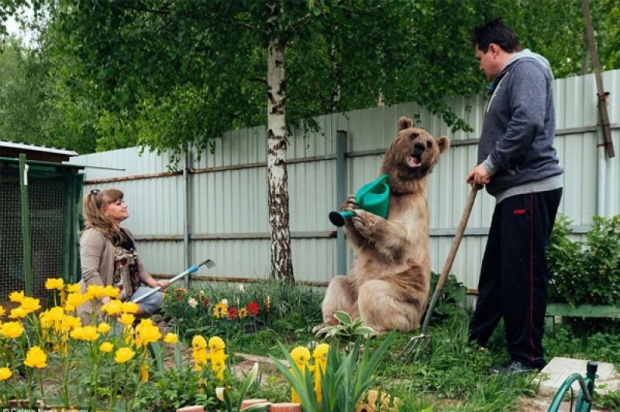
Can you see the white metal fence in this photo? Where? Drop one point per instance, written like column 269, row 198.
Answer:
column 215, row 205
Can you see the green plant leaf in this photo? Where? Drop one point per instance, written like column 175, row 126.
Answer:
column 343, row 317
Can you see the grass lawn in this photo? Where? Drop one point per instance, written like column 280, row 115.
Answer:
column 452, row 378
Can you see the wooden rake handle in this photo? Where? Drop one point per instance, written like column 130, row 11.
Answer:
column 450, row 259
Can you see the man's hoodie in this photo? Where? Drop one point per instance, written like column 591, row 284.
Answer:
column 516, row 144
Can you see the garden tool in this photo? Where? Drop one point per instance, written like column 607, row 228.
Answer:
column 208, row 263
column 373, row 197
column 421, row 346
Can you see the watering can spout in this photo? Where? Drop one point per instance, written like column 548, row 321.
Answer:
column 373, row 197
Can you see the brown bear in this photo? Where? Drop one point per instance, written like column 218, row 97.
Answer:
column 389, row 284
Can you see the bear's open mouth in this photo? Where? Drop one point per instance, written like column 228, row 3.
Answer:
column 414, row 161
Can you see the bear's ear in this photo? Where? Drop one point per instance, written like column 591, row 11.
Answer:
column 404, row 123
column 444, row 144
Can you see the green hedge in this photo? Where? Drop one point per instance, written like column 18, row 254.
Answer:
column 585, row 272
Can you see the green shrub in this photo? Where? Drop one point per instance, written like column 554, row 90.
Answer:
column 451, row 298
column 585, row 272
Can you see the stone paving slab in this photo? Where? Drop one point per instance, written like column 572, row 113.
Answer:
column 558, row 369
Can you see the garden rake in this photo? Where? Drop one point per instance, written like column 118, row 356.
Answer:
column 208, row 263
column 421, row 346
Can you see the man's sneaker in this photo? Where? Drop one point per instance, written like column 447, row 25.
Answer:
column 512, row 367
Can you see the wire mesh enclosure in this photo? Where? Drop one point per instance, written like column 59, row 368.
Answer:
column 39, row 226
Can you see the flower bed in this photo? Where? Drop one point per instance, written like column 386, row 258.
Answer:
column 48, row 358
column 195, row 311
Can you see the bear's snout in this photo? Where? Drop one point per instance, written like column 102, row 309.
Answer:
column 418, row 149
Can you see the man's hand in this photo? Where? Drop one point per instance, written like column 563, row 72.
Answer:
column 478, row 175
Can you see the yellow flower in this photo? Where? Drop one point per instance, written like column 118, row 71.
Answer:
column 301, row 356
column 5, row 373
column 128, row 331
column 111, row 291
column 89, row 333
column 16, row 296
column 36, row 358
column 198, row 342
column 220, row 310
column 18, row 313
column 113, row 307
column 95, row 292
column 52, row 318
column 129, row 307
column 86, row 333
column 106, row 347
column 2, row 311
column 243, row 312
column 74, row 299
column 320, row 352
column 127, row 319
column 200, row 358
column 320, row 360
column 103, row 327
column 57, row 284
column 30, row 304
column 123, row 355
column 171, row 338
column 216, row 344
column 71, row 322
column 218, row 365
column 147, row 334
column 74, row 288
column 11, row 330
column 144, row 373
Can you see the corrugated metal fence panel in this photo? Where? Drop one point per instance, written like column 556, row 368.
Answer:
column 612, row 170
column 611, row 82
column 228, row 219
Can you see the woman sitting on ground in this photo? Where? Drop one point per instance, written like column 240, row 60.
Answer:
column 109, row 257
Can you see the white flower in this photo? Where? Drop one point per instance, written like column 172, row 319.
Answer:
column 192, row 302
column 225, row 302
column 201, row 292
column 241, row 287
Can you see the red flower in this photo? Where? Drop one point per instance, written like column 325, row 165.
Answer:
column 253, row 309
column 232, row 313
column 206, row 303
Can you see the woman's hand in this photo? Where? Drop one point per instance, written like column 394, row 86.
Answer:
column 162, row 284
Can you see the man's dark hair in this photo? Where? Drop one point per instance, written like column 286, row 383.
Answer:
column 495, row 31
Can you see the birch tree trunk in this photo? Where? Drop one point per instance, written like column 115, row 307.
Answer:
column 277, row 175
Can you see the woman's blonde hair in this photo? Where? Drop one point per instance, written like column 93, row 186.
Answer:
column 94, row 202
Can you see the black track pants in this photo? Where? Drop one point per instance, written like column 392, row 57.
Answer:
column 513, row 276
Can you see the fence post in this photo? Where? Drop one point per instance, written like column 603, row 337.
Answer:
column 25, row 209
column 341, row 195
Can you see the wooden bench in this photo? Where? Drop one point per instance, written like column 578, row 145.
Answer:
column 564, row 310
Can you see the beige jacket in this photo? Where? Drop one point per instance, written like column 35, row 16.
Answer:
column 97, row 261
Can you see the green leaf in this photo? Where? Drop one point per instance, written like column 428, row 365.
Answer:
column 343, row 317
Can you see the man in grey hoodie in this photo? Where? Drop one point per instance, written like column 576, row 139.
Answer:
column 519, row 167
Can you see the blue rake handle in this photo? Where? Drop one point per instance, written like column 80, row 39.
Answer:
column 209, row 263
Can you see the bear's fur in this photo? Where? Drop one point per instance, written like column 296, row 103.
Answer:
column 389, row 284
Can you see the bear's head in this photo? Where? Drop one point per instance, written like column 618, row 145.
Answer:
column 412, row 155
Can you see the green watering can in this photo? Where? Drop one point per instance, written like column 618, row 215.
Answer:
column 373, row 197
